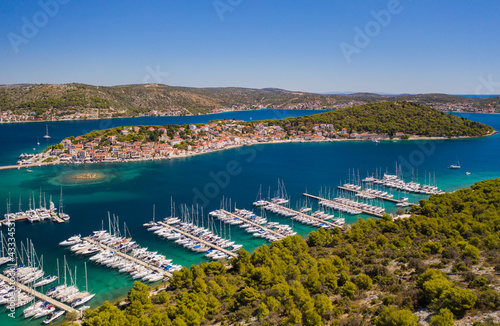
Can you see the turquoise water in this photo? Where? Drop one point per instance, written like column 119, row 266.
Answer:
column 130, row 190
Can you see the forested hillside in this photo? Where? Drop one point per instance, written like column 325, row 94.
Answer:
column 440, row 265
column 392, row 117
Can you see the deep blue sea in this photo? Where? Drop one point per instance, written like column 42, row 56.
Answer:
column 130, row 190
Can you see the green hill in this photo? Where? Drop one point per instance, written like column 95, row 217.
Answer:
column 392, row 117
column 131, row 100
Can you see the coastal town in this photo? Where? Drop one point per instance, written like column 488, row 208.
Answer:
column 125, row 144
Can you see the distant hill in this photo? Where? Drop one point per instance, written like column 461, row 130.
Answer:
column 131, row 100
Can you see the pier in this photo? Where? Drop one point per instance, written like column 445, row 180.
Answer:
column 38, row 295
column 56, row 217
column 362, row 210
column 15, row 219
column 392, row 200
column 252, row 223
column 53, row 216
column 208, row 244
column 332, row 225
column 130, row 258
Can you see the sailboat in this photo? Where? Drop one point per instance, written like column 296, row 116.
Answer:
column 88, row 297
column 47, row 136
column 453, row 166
column 62, row 215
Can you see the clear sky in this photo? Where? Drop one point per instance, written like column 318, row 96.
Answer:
column 405, row 46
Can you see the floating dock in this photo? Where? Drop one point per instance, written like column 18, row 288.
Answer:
column 130, row 258
column 332, row 225
column 392, row 200
column 364, row 211
column 38, row 295
column 208, row 244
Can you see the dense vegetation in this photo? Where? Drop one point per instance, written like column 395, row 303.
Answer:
column 133, row 99
column 445, row 260
column 392, row 117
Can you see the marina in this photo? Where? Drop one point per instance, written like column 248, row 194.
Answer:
column 302, row 217
column 195, row 238
column 253, row 224
column 372, row 194
column 129, row 258
column 347, row 205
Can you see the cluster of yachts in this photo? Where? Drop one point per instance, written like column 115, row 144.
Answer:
column 393, row 181
column 367, row 193
column 16, row 298
column 33, row 214
column 350, row 206
column 316, row 219
column 255, row 225
column 121, row 253
column 27, row 275
column 170, row 230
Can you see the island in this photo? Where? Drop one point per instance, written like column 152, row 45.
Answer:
column 370, row 122
column 87, row 176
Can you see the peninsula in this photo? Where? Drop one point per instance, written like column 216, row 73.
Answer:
column 371, row 122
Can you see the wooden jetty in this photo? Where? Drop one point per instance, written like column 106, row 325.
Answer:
column 26, row 166
column 56, row 217
column 252, row 223
column 362, row 210
column 53, row 216
column 41, row 296
column 305, row 215
column 392, row 200
column 208, row 244
column 130, row 258
column 16, row 219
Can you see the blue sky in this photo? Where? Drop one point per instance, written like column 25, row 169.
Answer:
column 416, row 46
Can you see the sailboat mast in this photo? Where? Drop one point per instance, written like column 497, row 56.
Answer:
column 86, row 283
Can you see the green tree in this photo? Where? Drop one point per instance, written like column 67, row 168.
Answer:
column 394, row 317
column 444, row 318
column 348, row 290
column 323, row 304
column 458, row 300
column 364, row 282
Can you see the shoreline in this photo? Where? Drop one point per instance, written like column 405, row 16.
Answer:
column 157, row 116
column 209, row 113
column 284, row 141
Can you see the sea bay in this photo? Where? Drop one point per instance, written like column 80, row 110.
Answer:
column 130, row 190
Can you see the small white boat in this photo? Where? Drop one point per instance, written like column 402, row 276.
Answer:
column 47, row 132
column 53, row 317
column 81, row 301
column 46, row 280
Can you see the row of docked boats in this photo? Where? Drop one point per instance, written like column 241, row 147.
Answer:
column 316, row 219
column 121, row 253
column 256, row 225
column 350, row 206
column 394, row 182
column 12, row 296
column 39, row 214
column 193, row 237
